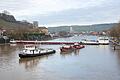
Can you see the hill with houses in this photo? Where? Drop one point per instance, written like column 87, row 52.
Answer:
column 84, row 28
column 21, row 29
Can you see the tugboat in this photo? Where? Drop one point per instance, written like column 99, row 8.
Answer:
column 34, row 51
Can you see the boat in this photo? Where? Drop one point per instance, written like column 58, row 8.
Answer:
column 78, row 46
column 12, row 41
column 67, row 48
column 103, row 40
column 34, row 51
column 4, row 39
column 89, row 42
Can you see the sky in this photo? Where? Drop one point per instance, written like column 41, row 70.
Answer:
column 64, row 12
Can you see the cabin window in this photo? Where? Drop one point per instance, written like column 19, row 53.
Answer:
column 36, row 50
column 25, row 50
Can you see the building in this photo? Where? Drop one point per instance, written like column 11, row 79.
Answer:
column 43, row 30
column 35, row 24
column 40, row 30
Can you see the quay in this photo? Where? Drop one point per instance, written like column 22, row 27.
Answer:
column 52, row 42
column 40, row 42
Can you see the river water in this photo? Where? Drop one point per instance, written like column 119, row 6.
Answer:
column 94, row 62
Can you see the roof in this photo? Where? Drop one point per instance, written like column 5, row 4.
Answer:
column 42, row 27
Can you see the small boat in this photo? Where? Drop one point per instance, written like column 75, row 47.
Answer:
column 103, row 40
column 89, row 42
column 78, row 46
column 12, row 41
column 34, row 51
column 65, row 48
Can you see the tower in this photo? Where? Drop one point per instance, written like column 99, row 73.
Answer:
column 71, row 30
column 35, row 24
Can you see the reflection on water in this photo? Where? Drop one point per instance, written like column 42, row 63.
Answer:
column 6, row 55
column 117, row 53
column 30, row 63
column 6, row 48
column 73, row 52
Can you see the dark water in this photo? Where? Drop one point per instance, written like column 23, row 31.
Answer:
column 98, row 62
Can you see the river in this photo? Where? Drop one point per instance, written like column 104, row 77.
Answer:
column 94, row 62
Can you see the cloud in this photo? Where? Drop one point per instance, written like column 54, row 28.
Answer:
column 63, row 12
column 32, row 7
column 80, row 16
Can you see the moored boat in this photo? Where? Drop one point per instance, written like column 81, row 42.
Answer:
column 78, row 46
column 90, row 42
column 4, row 39
column 103, row 40
column 12, row 41
column 34, row 51
column 65, row 48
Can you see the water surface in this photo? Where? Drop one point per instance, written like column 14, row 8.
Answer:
column 94, row 62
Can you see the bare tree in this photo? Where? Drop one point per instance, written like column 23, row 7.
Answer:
column 115, row 32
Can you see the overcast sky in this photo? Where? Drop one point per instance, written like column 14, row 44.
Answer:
column 64, row 12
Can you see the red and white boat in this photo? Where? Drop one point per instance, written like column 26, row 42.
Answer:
column 78, row 46
column 67, row 48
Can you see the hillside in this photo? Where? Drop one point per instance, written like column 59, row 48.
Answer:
column 12, row 25
column 9, row 22
column 7, row 17
column 85, row 28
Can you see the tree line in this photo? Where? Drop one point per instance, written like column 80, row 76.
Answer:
column 115, row 32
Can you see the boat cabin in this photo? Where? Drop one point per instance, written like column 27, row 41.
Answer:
column 30, row 47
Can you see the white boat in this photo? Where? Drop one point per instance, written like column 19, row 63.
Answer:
column 33, row 51
column 13, row 41
column 89, row 42
column 103, row 40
